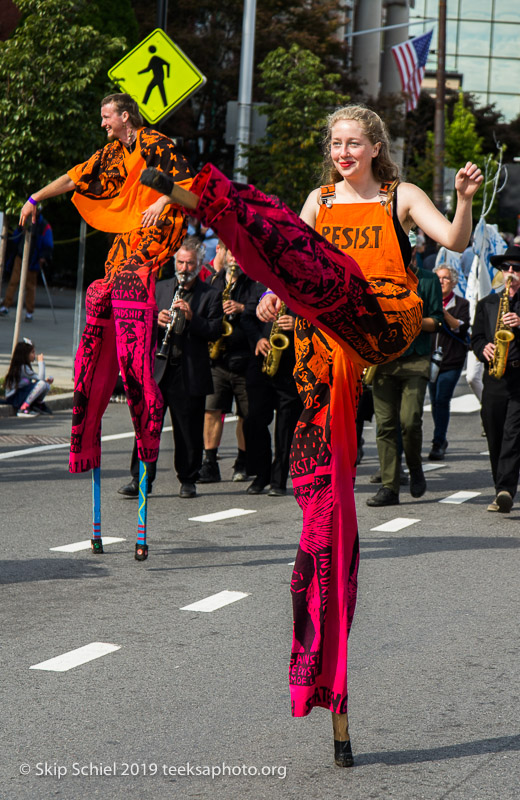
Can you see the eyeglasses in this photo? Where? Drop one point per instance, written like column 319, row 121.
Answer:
column 515, row 266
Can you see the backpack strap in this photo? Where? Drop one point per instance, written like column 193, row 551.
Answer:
column 327, row 194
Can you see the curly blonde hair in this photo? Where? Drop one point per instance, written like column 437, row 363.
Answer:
column 383, row 168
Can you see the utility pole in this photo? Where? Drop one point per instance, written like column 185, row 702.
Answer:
column 245, row 90
column 438, row 173
column 162, row 14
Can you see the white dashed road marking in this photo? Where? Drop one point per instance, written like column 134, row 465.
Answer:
column 218, row 515
column 85, row 545
column 76, row 657
column 459, row 497
column 215, row 601
column 465, row 404
column 30, row 450
column 396, row 524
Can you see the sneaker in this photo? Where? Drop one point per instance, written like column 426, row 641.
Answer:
column 417, row 482
column 240, row 474
column 384, row 497
column 436, row 453
column 209, row 472
column 504, row 502
column 4, row 311
column 255, row 488
column 27, row 412
column 188, row 490
column 43, row 408
column 493, row 506
column 276, row 491
column 29, row 317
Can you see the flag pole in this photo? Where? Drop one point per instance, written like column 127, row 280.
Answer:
column 438, row 172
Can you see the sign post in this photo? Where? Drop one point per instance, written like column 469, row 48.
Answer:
column 158, row 75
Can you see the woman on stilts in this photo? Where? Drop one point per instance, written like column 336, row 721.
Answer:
column 343, row 267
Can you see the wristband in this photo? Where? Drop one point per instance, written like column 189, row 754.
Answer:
column 269, row 291
column 32, row 201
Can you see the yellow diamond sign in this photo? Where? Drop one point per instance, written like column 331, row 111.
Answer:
column 158, row 75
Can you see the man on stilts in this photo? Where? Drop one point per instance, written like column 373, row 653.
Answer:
column 120, row 331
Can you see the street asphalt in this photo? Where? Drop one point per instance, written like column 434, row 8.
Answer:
column 195, row 704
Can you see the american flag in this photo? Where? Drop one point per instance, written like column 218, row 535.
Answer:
column 411, row 59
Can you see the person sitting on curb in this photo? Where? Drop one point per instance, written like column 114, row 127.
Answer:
column 24, row 389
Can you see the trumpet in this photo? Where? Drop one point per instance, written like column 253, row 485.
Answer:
column 279, row 342
column 217, row 348
column 503, row 336
column 175, row 316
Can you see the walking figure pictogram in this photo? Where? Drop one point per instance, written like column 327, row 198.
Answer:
column 157, row 66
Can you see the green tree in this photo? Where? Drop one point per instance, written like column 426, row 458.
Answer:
column 462, row 142
column 49, row 71
column 300, row 93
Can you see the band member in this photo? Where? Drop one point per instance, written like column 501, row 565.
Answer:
column 231, row 357
column 271, row 390
column 190, row 316
column 121, row 311
column 500, row 411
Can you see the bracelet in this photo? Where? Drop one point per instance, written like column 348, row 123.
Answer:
column 269, row 291
column 32, row 201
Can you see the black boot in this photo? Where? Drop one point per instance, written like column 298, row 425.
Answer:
column 210, row 470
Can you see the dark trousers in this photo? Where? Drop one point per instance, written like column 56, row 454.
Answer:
column 265, row 396
column 187, row 416
column 441, row 393
column 501, row 420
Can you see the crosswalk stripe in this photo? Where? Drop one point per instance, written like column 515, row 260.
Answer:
column 218, row 515
column 464, row 404
column 76, row 657
column 459, row 497
column 396, row 524
column 215, row 601
column 84, row 545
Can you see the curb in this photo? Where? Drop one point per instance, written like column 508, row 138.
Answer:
column 57, row 402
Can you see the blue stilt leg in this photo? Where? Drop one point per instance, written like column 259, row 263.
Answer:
column 95, row 543
column 141, row 548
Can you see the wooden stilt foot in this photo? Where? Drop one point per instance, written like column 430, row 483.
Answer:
column 342, row 748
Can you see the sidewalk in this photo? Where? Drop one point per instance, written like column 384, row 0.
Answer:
column 55, row 341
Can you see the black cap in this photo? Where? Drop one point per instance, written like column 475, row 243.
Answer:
column 512, row 254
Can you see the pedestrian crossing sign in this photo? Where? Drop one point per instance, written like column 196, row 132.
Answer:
column 158, row 75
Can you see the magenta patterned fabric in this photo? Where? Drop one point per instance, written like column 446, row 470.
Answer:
column 119, row 335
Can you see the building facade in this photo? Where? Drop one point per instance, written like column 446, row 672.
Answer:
column 482, row 45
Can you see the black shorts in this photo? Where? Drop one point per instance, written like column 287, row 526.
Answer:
column 227, row 385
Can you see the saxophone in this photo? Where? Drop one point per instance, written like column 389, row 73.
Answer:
column 279, row 342
column 179, row 292
column 217, row 348
column 503, row 336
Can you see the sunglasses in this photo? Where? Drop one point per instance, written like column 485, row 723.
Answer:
column 515, row 266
